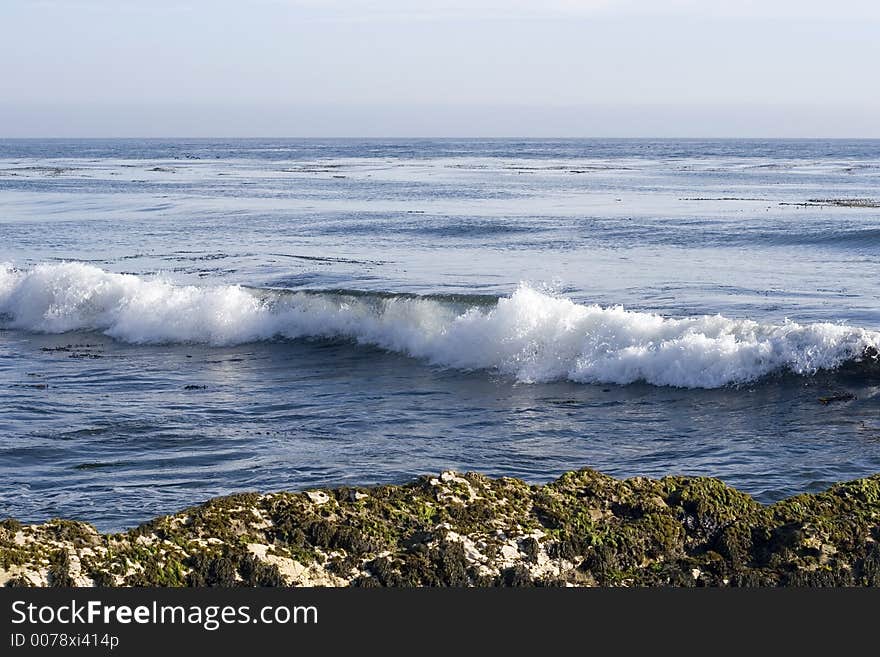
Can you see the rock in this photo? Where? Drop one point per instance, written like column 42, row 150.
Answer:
column 584, row 529
column 318, row 496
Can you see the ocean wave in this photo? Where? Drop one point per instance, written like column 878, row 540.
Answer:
column 530, row 335
column 837, row 238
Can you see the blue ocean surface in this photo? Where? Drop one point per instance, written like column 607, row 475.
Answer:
column 181, row 319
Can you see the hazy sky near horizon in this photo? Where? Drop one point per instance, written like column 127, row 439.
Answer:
column 784, row 68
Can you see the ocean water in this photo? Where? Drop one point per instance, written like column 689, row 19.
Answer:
column 186, row 318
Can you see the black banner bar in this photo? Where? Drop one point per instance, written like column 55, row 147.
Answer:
column 179, row 621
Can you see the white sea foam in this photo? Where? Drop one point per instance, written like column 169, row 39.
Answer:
column 529, row 335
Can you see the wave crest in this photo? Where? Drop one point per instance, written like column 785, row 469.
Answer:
column 530, row 335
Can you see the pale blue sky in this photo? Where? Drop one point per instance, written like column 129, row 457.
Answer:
column 439, row 68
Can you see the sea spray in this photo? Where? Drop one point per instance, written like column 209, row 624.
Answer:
column 531, row 335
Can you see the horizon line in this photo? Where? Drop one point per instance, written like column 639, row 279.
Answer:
column 438, row 138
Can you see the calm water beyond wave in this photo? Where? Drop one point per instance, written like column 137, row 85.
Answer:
column 187, row 318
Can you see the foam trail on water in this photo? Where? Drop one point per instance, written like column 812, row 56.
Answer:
column 530, row 335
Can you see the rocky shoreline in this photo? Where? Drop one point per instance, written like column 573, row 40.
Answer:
column 584, row 529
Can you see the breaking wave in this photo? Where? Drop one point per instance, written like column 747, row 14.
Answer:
column 530, row 335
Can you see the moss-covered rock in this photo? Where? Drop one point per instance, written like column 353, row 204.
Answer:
column 584, row 529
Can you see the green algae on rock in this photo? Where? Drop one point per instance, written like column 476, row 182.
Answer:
column 584, row 529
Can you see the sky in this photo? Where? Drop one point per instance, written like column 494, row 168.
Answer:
column 439, row 68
